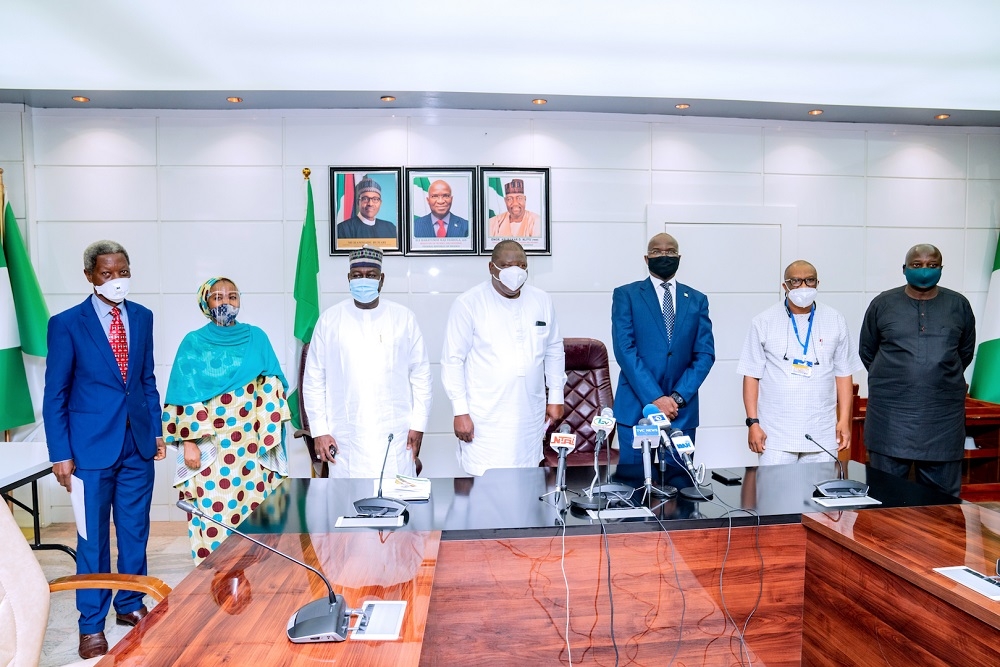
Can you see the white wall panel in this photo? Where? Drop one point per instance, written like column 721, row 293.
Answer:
column 910, row 202
column 980, row 250
column 690, row 187
column 432, row 311
column 721, row 396
column 447, row 275
column 707, row 148
column 94, row 140
column 193, row 252
column 13, row 181
column 220, row 193
column 60, row 254
column 984, row 156
column 584, row 315
column 917, row 154
column 838, row 253
column 436, row 141
column 724, row 447
column 819, row 200
column 884, row 262
column 598, row 195
column 983, row 210
column 295, row 197
column 591, row 144
column 236, row 141
column 11, row 142
column 731, row 315
column 95, row 193
column 709, row 254
column 346, row 141
column 807, row 151
column 587, row 261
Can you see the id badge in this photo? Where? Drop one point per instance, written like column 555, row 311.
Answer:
column 802, row 368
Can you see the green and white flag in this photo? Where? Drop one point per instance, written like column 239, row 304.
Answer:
column 494, row 197
column 15, row 405
column 306, row 293
column 985, row 383
column 418, row 197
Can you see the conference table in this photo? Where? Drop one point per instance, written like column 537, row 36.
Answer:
column 26, row 463
column 480, row 566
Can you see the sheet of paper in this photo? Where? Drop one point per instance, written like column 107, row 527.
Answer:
column 76, row 499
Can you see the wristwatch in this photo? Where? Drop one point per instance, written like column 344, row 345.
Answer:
column 678, row 399
column 751, row 421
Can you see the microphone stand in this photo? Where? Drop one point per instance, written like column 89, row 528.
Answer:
column 379, row 506
column 840, row 487
column 606, row 493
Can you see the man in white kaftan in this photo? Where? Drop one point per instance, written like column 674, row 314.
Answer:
column 502, row 348
column 367, row 377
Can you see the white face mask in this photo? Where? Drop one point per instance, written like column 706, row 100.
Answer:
column 802, row 297
column 114, row 291
column 512, row 277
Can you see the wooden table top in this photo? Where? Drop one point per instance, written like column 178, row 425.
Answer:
column 911, row 542
column 233, row 608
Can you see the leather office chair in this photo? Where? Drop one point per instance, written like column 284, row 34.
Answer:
column 319, row 468
column 24, row 595
column 588, row 390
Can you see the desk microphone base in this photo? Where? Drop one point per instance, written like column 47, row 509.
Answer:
column 319, row 621
column 604, row 495
column 697, row 493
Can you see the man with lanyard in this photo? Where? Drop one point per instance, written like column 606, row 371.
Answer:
column 797, row 364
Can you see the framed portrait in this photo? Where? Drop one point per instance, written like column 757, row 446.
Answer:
column 441, row 211
column 515, row 206
column 365, row 209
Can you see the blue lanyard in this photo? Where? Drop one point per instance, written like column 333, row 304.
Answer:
column 795, row 327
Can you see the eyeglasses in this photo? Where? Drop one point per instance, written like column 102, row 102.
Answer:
column 373, row 200
column 439, row 197
column 656, row 252
column 797, row 282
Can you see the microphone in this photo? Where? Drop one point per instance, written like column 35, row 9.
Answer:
column 603, row 425
column 683, row 450
column 644, row 436
column 661, row 421
column 322, row 620
column 379, row 506
column 601, row 496
column 563, row 442
column 840, row 487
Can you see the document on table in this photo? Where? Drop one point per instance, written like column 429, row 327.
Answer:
column 79, row 511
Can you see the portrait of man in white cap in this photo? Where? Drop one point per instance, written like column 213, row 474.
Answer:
column 365, row 223
column 517, row 221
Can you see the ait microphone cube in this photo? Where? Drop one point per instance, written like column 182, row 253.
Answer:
column 683, row 444
column 563, row 440
column 606, row 423
column 644, row 433
column 659, row 420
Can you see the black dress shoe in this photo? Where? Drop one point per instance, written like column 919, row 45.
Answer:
column 93, row 645
column 132, row 617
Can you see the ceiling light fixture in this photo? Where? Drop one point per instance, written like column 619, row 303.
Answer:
column 942, row 116
column 682, row 105
column 234, row 100
column 815, row 112
column 80, row 98
column 539, row 101
column 387, row 98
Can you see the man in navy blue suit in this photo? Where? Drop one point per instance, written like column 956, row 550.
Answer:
column 102, row 423
column 663, row 343
column 440, row 222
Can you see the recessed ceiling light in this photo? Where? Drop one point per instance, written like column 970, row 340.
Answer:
column 942, row 116
column 234, row 100
column 815, row 112
column 387, row 98
column 682, row 105
column 80, row 98
column 539, row 101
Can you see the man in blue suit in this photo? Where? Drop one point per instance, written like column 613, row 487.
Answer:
column 663, row 343
column 102, row 423
column 440, row 222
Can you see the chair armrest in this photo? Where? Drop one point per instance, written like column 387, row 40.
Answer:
column 151, row 586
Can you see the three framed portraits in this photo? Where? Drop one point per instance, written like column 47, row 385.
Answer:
column 439, row 210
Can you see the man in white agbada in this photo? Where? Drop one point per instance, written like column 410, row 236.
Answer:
column 366, row 377
column 501, row 349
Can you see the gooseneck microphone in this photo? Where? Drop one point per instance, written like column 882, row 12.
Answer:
column 840, row 487
column 323, row 620
column 379, row 506
column 563, row 442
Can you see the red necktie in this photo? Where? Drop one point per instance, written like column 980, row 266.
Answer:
column 119, row 343
column 442, row 229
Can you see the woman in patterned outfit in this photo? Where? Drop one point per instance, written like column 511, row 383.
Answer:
column 225, row 408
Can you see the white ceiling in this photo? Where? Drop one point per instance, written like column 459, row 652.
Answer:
column 910, row 54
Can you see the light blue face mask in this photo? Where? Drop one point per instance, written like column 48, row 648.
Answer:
column 224, row 315
column 364, row 290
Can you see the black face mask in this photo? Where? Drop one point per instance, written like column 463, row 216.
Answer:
column 665, row 267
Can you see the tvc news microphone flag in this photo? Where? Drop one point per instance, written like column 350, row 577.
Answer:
column 306, row 291
column 23, row 322
column 985, row 383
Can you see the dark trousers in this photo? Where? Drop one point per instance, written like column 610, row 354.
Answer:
column 944, row 476
column 126, row 488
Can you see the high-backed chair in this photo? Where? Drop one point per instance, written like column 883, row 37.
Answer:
column 24, row 595
column 320, row 468
column 588, row 390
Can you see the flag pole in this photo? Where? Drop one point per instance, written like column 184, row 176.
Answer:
column 3, row 208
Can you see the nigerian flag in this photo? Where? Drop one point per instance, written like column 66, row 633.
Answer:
column 986, row 377
column 418, row 197
column 306, row 291
column 23, row 321
column 494, row 197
